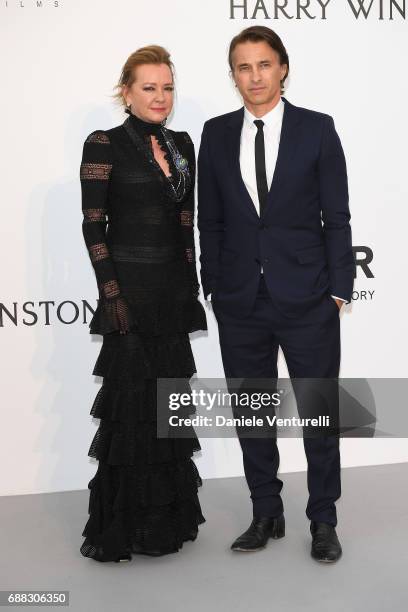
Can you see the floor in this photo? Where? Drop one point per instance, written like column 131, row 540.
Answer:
column 40, row 539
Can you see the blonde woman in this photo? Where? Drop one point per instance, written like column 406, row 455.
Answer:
column 137, row 183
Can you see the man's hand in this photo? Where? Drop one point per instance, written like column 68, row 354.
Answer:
column 339, row 301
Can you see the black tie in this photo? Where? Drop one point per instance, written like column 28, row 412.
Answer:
column 261, row 181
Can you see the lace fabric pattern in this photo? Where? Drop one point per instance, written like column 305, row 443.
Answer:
column 95, row 172
column 187, row 224
column 147, row 215
column 140, row 241
column 179, row 183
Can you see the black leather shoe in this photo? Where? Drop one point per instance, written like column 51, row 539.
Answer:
column 325, row 543
column 258, row 533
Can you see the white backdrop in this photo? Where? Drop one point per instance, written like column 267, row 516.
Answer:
column 59, row 62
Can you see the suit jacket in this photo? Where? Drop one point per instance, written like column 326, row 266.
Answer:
column 302, row 238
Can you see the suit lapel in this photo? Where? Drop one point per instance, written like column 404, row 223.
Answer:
column 288, row 142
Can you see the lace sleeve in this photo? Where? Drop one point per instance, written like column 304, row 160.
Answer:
column 95, row 170
column 187, row 219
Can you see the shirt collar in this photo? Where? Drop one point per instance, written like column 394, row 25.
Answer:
column 271, row 118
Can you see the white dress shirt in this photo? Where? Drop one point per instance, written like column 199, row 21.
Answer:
column 272, row 130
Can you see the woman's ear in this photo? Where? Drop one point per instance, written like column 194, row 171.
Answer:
column 125, row 92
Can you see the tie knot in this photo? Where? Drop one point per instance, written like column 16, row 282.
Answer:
column 259, row 124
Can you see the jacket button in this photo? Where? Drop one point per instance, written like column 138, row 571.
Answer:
column 266, row 260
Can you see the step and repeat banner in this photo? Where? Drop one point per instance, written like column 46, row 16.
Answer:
column 60, row 61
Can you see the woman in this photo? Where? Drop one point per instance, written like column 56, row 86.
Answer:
column 139, row 178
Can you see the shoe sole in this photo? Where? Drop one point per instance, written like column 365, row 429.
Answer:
column 247, row 550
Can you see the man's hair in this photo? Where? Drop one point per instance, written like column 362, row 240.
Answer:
column 257, row 34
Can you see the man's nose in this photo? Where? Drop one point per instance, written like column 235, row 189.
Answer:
column 256, row 75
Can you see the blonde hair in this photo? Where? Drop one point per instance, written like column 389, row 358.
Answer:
column 151, row 54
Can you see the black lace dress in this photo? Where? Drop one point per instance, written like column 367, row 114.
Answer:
column 138, row 228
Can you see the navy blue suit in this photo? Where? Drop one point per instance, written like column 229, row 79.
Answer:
column 302, row 239
column 301, row 259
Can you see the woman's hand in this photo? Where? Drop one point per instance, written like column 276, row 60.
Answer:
column 118, row 311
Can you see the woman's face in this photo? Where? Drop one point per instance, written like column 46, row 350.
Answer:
column 151, row 94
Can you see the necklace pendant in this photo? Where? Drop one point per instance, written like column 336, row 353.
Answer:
column 180, row 162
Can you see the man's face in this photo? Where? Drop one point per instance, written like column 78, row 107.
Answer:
column 257, row 72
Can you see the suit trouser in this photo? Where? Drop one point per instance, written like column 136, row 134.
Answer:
column 311, row 347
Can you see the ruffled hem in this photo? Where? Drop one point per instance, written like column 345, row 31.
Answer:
column 152, row 514
column 136, row 404
column 128, row 358
column 154, row 319
column 143, row 497
column 116, row 444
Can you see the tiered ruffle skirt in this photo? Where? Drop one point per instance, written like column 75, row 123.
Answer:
column 143, row 497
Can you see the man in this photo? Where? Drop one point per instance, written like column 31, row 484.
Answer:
column 277, row 263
